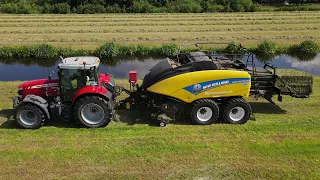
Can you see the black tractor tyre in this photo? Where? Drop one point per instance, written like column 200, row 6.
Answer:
column 236, row 111
column 100, row 107
column 29, row 116
column 204, row 112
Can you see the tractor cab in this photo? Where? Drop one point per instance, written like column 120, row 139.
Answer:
column 79, row 93
column 77, row 72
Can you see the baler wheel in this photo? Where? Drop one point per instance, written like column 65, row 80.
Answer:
column 204, row 112
column 93, row 111
column 236, row 111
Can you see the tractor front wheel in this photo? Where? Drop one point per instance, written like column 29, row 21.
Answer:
column 204, row 112
column 93, row 112
column 236, row 111
column 29, row 116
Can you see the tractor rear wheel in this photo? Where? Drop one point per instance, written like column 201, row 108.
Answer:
column 29, row 116
column 204, row 112
column 93, row 112
column 236, row 111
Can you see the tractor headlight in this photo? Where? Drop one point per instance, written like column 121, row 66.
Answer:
column 19, row 91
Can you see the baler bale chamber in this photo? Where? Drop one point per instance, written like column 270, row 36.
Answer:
column 212, row 82
column 266, row 81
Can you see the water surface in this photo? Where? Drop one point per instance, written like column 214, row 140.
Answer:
column 11, row 70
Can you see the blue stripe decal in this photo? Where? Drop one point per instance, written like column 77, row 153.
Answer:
column 198, row 88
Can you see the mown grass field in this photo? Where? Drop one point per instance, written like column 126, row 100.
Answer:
column 282, row 143
column 90, row 31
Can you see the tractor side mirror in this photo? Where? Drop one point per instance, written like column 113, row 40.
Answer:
column 50, row 75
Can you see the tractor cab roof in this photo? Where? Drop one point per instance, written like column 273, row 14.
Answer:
column 81, row 62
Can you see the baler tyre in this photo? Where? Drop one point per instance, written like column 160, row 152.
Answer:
column 204, row 112
column 29, row 116
column 236, row 111
column 92, row 112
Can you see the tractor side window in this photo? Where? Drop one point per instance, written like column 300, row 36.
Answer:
column 91, row 77
column 70, row 79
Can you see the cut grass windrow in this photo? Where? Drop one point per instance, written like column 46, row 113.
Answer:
column 90, row 31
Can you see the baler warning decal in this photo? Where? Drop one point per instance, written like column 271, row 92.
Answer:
column 198, row 88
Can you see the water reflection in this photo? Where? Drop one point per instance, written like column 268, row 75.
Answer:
column 295, row 55
column 312, row 67
column 16, row 70
column 27, row 69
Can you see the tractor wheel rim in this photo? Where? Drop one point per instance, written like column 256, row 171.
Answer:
column 237, row 113
column 92, row 113
column 204, row 114
column 28, row 117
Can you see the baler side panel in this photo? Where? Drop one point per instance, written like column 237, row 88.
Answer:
column 171, row 85
column 205, row 84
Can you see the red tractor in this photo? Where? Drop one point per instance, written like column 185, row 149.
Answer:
column 80, row 91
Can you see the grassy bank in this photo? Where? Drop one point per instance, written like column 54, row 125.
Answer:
column 282, row 143
column 91, row 31
column 114, row 50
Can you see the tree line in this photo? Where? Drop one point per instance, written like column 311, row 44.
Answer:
column 137, row 6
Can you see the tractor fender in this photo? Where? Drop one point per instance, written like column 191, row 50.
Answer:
column 92, row 90
column 39, row 101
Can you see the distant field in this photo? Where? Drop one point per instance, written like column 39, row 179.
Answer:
column 282, row 143
column 90, row 31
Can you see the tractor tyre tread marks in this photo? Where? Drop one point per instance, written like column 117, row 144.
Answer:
column 204, row 103
column 234, row 102
column 36, row 110
column 97, row 100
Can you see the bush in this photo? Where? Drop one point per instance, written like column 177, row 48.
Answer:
column 42, row 51
column 142, row 50
column 215, row 8
column 127, row 50
column 266, row 48
column 305, row 51
column 61, row 8
column 90, row 9
column 65, row 52
column 142, row 6
column 9, row 8
column 29, row 9
column 308, row 47
column 233, row 49
column 165, row 49
column 81, row 52
column 114, row 9
column 47, row 8
column 6, row 52
column 108, row 50
column 236, row 6
column 241, row 5
column 19, row 8
column 160, row 10
column 186, row 6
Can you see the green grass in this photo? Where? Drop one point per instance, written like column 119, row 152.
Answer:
column 282, row 143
